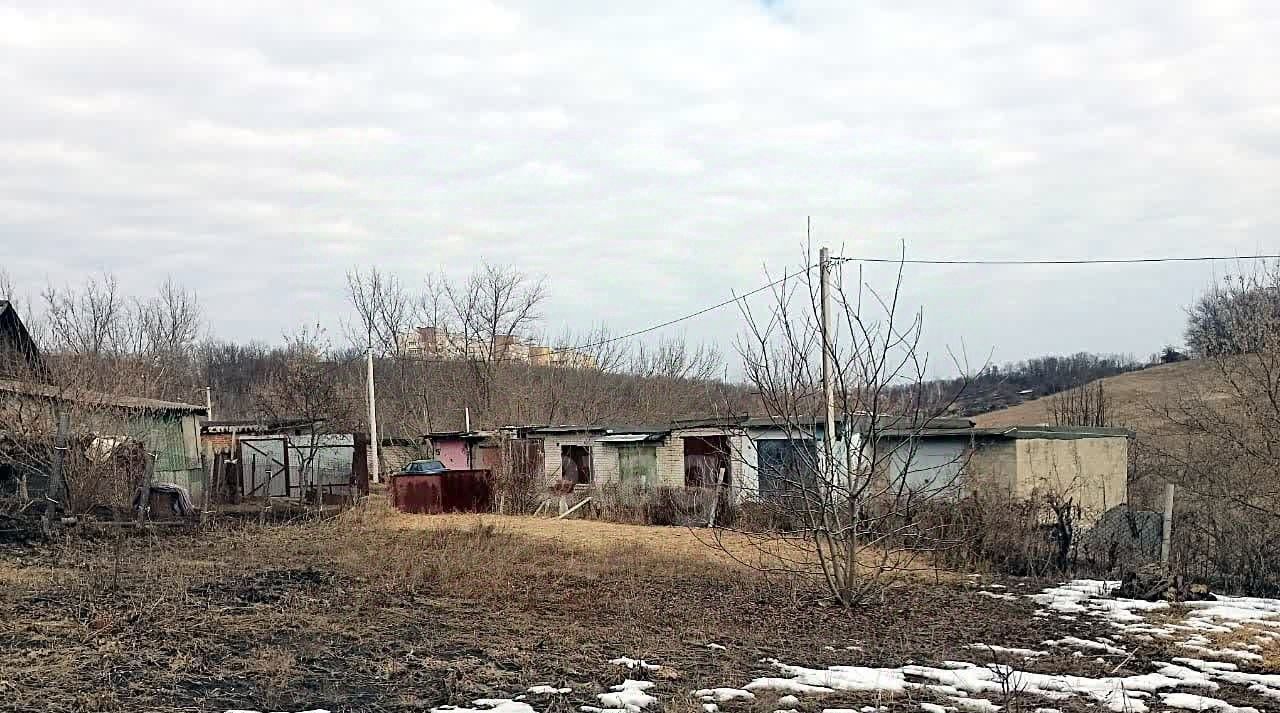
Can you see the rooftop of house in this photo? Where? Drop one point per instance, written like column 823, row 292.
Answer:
column 886, row 426
column 257, row 425
column 15, row 333
column 1011, row 432
column 97, row 398
column 458, row 435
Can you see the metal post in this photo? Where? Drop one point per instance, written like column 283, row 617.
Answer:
column 1166, row 539
column 375, row 474
column 208, row 402
column 55, row 493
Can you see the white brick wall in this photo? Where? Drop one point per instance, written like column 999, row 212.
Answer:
column 604, row 464
column 551, row 451
column 671, row 462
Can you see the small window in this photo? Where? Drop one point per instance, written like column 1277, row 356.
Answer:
column 638, row 465
column 575, row 463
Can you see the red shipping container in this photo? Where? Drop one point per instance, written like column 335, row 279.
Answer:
column 451, row 491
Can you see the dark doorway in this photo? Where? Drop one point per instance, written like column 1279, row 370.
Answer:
column 787, row 467
column 706, row 458
column 575, row 463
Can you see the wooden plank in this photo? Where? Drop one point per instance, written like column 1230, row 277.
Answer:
column 573, row 509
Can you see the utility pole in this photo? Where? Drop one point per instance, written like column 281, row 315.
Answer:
column 376, row 469
column 828, row 366
column 1166, row 535
column 208, row 402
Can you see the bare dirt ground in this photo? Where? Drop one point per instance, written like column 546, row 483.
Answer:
column 376, row 612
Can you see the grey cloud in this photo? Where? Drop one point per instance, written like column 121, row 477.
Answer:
column 647, row 157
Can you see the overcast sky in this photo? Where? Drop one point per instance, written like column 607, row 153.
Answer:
column 647, row 157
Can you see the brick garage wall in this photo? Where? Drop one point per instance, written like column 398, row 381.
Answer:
column 551, row 452
column 670, row 454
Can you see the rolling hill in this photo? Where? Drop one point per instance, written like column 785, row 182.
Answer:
column 1136, row 399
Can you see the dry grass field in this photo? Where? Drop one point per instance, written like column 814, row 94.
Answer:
column 375, row 611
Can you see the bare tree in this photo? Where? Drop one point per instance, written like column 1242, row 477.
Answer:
column 1082, row 406
column 385, row 309
column 305, row 386
column 857, row 496
column 172, row 322
column 1218, row 439
column 93, row 321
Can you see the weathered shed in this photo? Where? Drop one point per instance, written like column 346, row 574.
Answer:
column 167, row 429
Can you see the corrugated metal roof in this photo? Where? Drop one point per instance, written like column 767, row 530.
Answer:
column 628, row 437
column 85, row 396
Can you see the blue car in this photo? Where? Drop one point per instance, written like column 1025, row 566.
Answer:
column 423, row 467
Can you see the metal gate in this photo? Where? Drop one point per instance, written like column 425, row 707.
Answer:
column 289, row 466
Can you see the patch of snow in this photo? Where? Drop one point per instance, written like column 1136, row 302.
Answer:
column 1120, row 694
column 933, row 708
column 1085, row 644
column 1265, row 691
column 788, row 685
column 711, row 708
column 724, row 695
column 1192, row 702
column 1047, row 710
column 1266, row 679
column 841, row 678
column 1189, row 676
column 789, row 700
column 975, row 705
column 629, row 695
column 548, row 690
column 717, row 647
column 993, row 595
column 1024, row 653
column 489, row 705
column 1206, row 666
column 634, row 663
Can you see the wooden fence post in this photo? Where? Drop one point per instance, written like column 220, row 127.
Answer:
column 144, row 505
column 1166, row 538
column 55, row 491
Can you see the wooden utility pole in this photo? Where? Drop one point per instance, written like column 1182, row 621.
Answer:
column 375, row 470
column 828, row 364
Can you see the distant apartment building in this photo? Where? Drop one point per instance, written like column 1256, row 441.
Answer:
column 440, row 343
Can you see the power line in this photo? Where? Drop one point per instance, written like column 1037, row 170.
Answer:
column 841, row 259
column 1102, row 261
column 652, row 328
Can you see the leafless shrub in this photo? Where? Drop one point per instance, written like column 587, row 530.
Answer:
column 1082, row 406
column 1034, row 537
